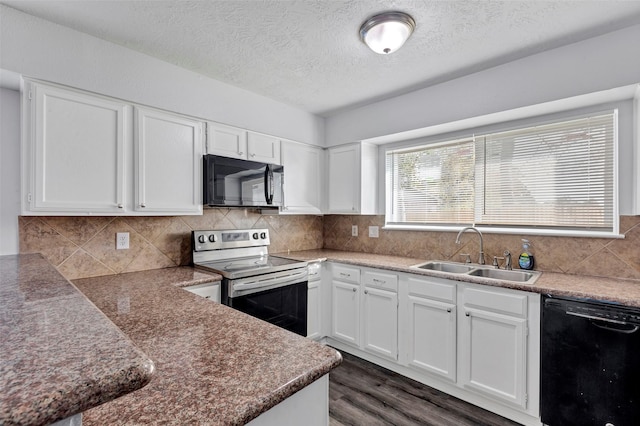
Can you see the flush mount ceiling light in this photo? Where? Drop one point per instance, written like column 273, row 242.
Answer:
column 385, row 33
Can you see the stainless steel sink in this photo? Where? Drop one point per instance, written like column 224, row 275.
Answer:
column 501, row 274
column 450, row 267
column 481, row 271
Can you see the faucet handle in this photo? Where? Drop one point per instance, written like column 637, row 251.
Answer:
column 495, row 263
column 467, row 257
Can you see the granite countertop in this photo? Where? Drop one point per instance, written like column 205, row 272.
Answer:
column 214, row 365
column 626, row 292
column 59, row 355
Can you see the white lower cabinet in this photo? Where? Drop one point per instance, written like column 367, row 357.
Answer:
column 365, row 312
column 493, row 343
column 429, row 322
column 345, row 324
column 476, row 342
column 314, row 302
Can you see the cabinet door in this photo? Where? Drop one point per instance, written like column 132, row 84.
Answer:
column 226, row 141
column 77, row 152
column 494, row 355
column 431, row 336
column 313, row 310
column 302, row 177
column 344, row 179
column 263, row 148
column 380, row 322
column 169, row 163
column 345, row 323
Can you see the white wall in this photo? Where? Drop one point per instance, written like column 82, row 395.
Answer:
column 9, row 170
column 592, row 65
column 40, row 49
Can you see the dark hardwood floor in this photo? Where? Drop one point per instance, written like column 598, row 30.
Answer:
column 361, row 393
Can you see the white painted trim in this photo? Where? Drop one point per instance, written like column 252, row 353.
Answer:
column 636, row 148
column 567, row 104
column 508, row 231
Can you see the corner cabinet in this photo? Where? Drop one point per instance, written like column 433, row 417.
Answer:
column 233, row 142
column 168, row 149
column 73, row 152
column 302, row 178
column 78, row 154
column 353, row 179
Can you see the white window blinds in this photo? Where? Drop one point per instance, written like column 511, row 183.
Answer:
column 555, row 175
column 552, row 176
column 432, row 185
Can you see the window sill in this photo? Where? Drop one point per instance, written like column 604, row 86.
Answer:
column 507, row 231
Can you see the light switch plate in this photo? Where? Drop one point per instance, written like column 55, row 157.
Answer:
column 373, row 231
column 122, row 240
column 354, row 230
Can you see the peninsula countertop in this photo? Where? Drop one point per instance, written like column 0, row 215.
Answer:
column 59, row 355
column 214, row 365
column 622, row 291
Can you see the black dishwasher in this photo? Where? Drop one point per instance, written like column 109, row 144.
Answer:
column 590, row 363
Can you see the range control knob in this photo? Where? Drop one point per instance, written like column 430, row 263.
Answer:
column 255, row 235
column 201, row 239
column 263, row 235
column 212, row 238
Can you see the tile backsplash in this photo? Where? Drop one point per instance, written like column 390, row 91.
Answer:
column 612, row 257
column 82, row 247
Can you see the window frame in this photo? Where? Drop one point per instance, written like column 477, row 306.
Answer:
column 453, row 137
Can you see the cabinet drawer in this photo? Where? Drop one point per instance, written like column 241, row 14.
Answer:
column 504, row 301
column 433, row 289
column 380, row 280
column 345, row 274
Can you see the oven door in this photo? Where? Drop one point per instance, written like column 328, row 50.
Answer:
column 278, row 298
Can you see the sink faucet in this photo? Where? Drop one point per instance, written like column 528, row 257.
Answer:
column 472, row 228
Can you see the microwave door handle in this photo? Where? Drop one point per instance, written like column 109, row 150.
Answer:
column 268, row 184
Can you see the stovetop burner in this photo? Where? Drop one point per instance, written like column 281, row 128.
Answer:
column 238, row 253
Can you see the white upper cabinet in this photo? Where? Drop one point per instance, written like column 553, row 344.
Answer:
column 87, row 154
column 353, row 179
column 263, row 148
column 168, row 150
column 302, row 178
column 73, row 152
column 226, row 141
column 233, row 142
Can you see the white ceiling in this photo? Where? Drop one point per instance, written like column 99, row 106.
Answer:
column 307, row 53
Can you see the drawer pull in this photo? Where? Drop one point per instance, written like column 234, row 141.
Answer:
column 366, row 292
column 449, row 310
column 354, row 290
column 468, row 314
column 375, row 280
column 342, row 274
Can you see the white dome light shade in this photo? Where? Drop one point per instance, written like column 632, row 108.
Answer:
column 387, row 32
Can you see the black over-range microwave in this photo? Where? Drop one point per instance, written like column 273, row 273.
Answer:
column 232, row 182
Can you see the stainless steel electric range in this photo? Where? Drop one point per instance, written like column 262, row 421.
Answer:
column 271, row 288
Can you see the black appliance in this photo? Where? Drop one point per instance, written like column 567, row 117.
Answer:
column 232, row 182
column 590, row 374
column 271, row 288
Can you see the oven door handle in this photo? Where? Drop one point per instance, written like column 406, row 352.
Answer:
column 282, row 280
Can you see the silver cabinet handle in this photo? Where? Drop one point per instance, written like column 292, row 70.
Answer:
column 252, row 155
column 354, row 290
column 342, row 274
column 120, row 206
column 467, row 314
column 449, row 310
column 366, row 292
column 240, row 153
column 143, row 205
column 375, row 280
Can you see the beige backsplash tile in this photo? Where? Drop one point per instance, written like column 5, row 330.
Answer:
column 82, row 247
column 85, row 246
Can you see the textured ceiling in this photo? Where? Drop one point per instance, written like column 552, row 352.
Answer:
column 307, row 53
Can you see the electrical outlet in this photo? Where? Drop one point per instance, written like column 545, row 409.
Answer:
column 122, row 241
column 373, row 232
column 354, row 230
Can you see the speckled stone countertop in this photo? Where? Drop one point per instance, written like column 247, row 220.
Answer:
column 214, row 365
column 626, row 292
column 59, row 355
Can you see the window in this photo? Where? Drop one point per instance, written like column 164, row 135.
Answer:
column 558, row 176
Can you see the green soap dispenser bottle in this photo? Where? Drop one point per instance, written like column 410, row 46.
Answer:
column 525, row 261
